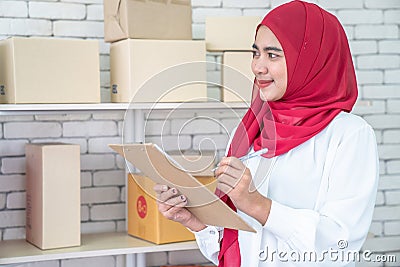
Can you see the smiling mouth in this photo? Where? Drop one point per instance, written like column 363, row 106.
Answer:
column 264, row 83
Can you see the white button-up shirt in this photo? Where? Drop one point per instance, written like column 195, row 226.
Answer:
column 323, row 194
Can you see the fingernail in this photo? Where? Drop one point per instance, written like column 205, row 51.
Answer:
column 165, row 188
column 183, row 197
column 173, row 191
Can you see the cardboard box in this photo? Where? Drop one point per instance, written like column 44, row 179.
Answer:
column 237, row 77
column 157, row 71
column 144, row 219
column 53, row 195
column 49, row 70
column 231, row 33
column 194, row 163
column 149, row 19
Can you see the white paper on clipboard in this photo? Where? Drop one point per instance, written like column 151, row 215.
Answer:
column 160, row 167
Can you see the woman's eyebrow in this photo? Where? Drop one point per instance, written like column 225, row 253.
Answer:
column 268, row 48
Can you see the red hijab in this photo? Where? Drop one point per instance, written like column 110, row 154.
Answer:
column 321, row 84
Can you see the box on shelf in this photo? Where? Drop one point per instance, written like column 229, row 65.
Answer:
column 144, row 219
column 150, row 19
column 49, row 70
column 158, row 71
column 231, row 33
column 195, row 163
column 237, row 77
column 53, row 195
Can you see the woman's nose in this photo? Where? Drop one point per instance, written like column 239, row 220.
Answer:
column 259, row 67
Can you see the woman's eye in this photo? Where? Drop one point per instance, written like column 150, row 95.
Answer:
column 272, row 55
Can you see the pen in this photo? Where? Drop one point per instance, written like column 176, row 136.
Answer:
column 250, row 155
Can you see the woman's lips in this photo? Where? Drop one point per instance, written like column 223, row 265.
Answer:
column 264, row 83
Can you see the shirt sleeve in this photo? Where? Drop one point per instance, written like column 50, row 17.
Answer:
column 342, row 220
column 208, row 241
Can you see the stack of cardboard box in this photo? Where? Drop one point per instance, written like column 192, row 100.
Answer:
column 149, row 42
column 234, row 37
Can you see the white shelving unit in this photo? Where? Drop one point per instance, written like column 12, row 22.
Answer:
column 19, row 251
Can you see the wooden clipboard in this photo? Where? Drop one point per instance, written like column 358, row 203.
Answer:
column 162, row 169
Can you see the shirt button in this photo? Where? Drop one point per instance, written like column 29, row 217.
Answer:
column 212, row 232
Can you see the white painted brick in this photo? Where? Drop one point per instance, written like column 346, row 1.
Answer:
column 214, row 78
column 169, row 143
column 99, row 195
column 360, row 16
column 78, row 28
column 214, row 93
column 100, row 145
column 391, row 137
column 13, row 26
column 16, row 200
column 380, row 199
column 84, row 213
column 210, row 142
column 349, row 31
column 186, row 257
column 378, row 62
column 393, row 167
column 392, row 197
column 84, row 1
column 245, row 4
column 31, row 129
column 369, row 77
column 206, row 3
column 392, row 16
column 109, row 115
column 104, row 178
column 78, row 141
column 12, row 218
column 389, row 182
column 379, row 136
column 104, row 62
column 382, row 167
column 107, row 212
column 376, row 32
column 2, row 201
column 382, row 4
column 120, row 161
column 376, row 228
column 120, row 261
column 1, row 130
column 199, row 14
column 15, row 118
column 55, row 263
column 363, row 47
column 375, row 107
column 13, row 165
column 12, row 183
column 382, row 244
column 383, row 121
column 381, row 91
column 230, row 124
column 256, row 12
column 45, row 10
column 394, row 262
column 389, row 46
column 86, row 179
column 198, row 31
column 13, row 9
column 157, row 127
column 368, row 263
column 121, row 226
column 97, row 227
column 64, row 117
column 211, row 62
column 156, row 258
column 12, row 147
column 393, row 106
column 386, row 213
column 389, row 151
column 102, row 261
column 104, row 48
column 340, row 4
column 90, row 128
column 194, row 126
column 392, row 76
column 170, row 114
column 105, row 78
column 14, row 233
column 105, row 95
column 95, row 12
column 97, row 162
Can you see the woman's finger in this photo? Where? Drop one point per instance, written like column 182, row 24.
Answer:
column 159, row 188
column 178, row 201
column 165, row 196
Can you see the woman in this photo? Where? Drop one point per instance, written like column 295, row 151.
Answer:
column 316, row 197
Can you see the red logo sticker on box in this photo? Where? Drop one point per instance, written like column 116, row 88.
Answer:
column 141, row 207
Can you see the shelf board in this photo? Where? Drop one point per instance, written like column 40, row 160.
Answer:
column 92, row 245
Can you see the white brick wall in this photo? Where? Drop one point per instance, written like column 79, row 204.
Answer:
column 372, row 27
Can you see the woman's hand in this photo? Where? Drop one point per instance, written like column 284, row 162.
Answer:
column 171, row 204
column 235, row 180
